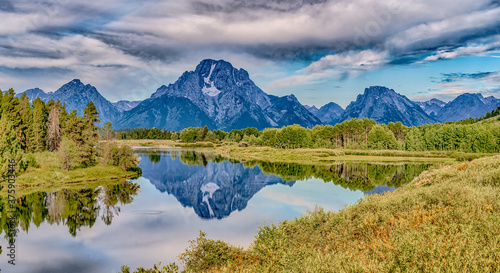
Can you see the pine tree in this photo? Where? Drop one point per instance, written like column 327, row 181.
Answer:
column 90, row 135
column 10, row 122
column 26, row 126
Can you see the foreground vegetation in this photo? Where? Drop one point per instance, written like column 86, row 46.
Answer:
column 445, row 220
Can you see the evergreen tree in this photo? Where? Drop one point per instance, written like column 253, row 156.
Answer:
column 26, row 126
column 90, row 135
column 10, row 134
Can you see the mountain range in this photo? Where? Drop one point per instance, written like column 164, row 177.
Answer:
column 222, row 97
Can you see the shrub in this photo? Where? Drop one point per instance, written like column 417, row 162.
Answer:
column 70, row 155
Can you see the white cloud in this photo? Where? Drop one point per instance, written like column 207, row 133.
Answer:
column 471, row 50
column 334, row 67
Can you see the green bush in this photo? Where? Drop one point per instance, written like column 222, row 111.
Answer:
column 70, row 155
column 291, row 137
column 381, row 138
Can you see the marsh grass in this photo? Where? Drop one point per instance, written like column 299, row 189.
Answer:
column 446, row 220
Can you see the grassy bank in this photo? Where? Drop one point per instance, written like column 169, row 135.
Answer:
column 445, row 220
column 329, row 156
column 161, row 143
column 48, row 175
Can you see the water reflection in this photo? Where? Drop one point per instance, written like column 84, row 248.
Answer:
column 354, row 176
column 71, row 208
column 215, row 186
column 212, row 186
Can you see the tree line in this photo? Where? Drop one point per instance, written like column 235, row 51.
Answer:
column 463, row 136
column 27, row 128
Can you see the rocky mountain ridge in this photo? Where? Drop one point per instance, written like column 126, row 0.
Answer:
column 220, row 96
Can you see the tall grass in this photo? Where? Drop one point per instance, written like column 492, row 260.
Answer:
column 446, row 220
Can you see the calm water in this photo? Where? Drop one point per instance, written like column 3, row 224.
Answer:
column 152, row 218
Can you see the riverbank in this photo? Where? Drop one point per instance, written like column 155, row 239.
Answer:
column 47, row 175
column 312, row 156
column 445, row 220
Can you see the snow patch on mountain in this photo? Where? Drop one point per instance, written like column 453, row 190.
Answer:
column 209, row 88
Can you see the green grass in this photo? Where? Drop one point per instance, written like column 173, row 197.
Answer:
column 161, row 143
column 48, row 175
column 446, row 220
column 329, row 156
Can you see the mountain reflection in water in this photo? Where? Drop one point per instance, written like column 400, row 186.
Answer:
column 215, row 187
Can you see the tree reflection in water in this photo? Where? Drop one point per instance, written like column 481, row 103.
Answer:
column 72, row 208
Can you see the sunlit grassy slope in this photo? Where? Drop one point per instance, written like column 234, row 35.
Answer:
column 446, row 220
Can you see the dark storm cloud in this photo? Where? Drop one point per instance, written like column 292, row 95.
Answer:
column 277, row 30
column 14, row 50
column 453, row 77
column 289, row 52
column 6, row 5
column 34, row 71
column 146, row 47
column 233, row 6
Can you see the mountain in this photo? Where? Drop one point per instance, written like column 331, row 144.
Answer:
column 173, row 113
column 76, row 95
column 468, row 106
column 223, row 94
column 330, row 113
column 125, row 105
column 313, row 109
column 432, row 107
column 34, row 93
column 384, row 105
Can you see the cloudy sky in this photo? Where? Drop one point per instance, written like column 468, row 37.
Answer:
column 319, row 50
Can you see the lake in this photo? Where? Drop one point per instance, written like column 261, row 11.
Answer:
column 143, row 221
